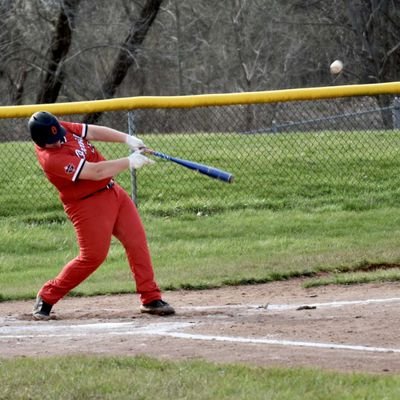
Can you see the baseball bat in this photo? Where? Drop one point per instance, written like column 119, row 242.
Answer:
column 211, row 172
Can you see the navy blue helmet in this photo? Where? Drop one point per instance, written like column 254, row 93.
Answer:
column 45, row 128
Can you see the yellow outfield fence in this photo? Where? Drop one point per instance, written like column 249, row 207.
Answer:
column 280, row 145
column 224, row 99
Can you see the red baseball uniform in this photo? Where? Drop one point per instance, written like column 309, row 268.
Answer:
column 98, row 210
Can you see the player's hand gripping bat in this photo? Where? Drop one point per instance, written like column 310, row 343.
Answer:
column 212, row 172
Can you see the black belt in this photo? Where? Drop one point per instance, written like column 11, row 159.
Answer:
column 107, row 187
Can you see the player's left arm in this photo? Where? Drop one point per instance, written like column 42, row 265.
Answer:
column 106, row 134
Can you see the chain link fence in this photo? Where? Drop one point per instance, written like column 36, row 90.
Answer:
column 281, row 155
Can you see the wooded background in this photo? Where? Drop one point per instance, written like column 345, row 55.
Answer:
column 74, row 50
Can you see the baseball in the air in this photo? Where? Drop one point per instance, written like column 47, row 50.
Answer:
column 336, row 67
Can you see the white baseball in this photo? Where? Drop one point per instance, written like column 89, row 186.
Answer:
column 336, row 67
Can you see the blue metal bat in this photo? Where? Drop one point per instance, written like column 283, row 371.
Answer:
column 212, row 172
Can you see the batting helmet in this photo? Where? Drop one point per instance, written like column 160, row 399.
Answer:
column 45, row 128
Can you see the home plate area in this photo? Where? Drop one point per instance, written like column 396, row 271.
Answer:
column 351, row 328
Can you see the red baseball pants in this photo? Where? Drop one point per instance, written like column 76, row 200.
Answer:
column 96, row 219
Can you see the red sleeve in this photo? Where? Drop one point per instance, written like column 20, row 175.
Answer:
column 76, row 128
column 64, row 166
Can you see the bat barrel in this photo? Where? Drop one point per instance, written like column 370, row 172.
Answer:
column 218, row 174
column 211, row 172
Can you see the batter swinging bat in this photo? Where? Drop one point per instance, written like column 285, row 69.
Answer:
column 203, row 169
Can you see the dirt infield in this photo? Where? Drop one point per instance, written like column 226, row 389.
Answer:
column 352, row 328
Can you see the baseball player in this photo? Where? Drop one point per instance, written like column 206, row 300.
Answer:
column 96, row 205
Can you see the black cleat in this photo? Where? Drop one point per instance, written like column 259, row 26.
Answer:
column 41, row 310
column 157, row 307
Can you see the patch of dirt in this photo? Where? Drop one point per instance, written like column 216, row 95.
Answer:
column 343, row 328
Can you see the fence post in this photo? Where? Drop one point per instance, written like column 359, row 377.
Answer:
column 132, row 132
column 396, row 112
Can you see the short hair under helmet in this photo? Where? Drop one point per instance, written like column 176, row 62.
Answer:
column 45, row 128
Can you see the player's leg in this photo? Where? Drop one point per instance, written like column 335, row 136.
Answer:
column 130, row 231
column 93, row 220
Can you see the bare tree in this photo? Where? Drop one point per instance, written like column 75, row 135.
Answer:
column 376, row 27
column 50, row 51
column 59, row 47
column 127, row 53
column 11, row 42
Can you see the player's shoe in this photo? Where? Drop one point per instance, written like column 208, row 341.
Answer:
column 41, row 310
column 157, row 307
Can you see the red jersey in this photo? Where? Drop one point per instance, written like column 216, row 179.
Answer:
column 63, row 165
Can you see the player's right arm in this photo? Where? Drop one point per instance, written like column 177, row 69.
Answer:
column 103, row 169
column 106, row 169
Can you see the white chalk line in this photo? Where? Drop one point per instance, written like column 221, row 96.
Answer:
column 171, row 329
column 286, row 307
column 99, row 328
column 283, row 342
column 165, row 329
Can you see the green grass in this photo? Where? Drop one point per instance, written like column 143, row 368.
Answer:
column 204, row 252
column 142, row 378
column 307, row 171
column 301, row 205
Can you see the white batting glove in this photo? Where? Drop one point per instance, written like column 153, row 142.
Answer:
column 134, row 143
column 137, row 160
